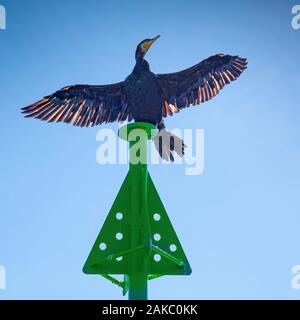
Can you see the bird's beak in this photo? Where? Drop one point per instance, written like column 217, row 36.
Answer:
column 149, row 43
column 154, row 39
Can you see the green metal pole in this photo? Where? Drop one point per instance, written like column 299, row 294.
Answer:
column 139, row 223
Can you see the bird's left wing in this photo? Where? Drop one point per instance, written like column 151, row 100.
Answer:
column 199, row 83
column 82, row 105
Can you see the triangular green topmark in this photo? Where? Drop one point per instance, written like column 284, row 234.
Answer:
column 112, row 251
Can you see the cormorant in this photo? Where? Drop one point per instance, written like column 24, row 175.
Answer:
column 143, row 96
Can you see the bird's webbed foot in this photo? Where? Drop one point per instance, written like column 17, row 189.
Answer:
column 167, row 143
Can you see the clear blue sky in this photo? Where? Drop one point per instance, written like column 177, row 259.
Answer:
column 238, row 222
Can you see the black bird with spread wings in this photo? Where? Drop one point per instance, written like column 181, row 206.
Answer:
column 143, row 96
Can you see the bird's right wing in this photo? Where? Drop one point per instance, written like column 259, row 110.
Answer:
column 199, row 83
column 83, row 105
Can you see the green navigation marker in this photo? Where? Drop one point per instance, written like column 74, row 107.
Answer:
column 137, row 239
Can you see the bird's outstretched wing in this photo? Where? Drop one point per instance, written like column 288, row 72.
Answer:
column 199, row 83
column 82, row 105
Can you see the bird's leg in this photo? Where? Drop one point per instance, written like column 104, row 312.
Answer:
column 166, row 143
column 161, row 125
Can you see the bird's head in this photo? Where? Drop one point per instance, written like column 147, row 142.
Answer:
column 143, row 47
